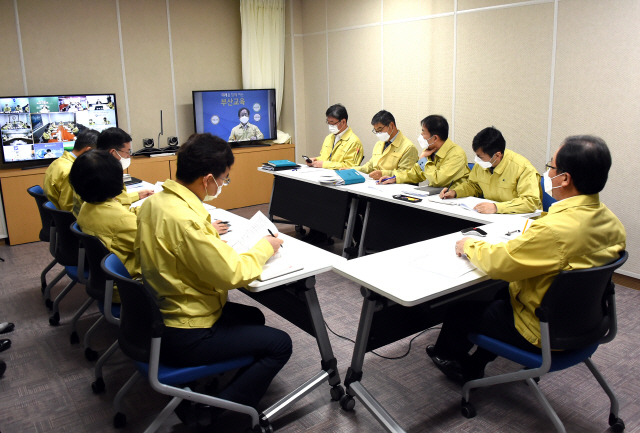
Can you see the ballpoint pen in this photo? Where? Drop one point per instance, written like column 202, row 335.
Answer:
column 392, row 177
column 269, row 230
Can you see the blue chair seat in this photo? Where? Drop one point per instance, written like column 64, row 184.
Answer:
column 72, row 272
column 115, row 309
column 560, row 359
column 177, row 376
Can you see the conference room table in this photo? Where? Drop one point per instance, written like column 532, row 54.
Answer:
column 403, row 289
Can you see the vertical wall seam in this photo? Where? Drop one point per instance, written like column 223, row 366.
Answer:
column 382, row 54
column 173, row 78
column 24, row 72
column 455, row 61
column 326, row 37
column 552, row 80
column 124, row 74
column 293, row 73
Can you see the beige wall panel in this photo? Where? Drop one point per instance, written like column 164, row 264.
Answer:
column 286, row 114
column 503, row 77
column 206, row 52
column 315, row 91
column 355, row 81
column 403, row 9
column 297, row 16
column 313, row 16
column 11, row 83
column 145, row 39
column 301, row 130
column 596, row 92
column 476, row 4
column 351, row 13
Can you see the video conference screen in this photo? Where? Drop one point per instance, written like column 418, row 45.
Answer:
column 236, row 115
column 43, row 127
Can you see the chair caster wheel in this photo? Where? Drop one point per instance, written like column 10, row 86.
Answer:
column 90, row 354
column 347, row 402
column 119, row 420
column 48, row 303
column 467, row 409
column 617, row 425
column 98, row 386
column 301, row 230
column 74, row 339
column 336, row 392
column 54, row 320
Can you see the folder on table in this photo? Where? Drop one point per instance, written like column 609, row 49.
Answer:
column 350, row 176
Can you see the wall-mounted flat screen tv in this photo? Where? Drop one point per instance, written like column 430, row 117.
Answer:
column 42, row 127
column 242, row 117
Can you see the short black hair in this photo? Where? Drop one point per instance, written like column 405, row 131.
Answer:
column 87, row 138
column 337, row 111
column 587, row 159
column 490, row 140
column 384, row 117
column 436, row 125
column 201, row 155
column 242, row 109
column 113, row 138
column 96, row 176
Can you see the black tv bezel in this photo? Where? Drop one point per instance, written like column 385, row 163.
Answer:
column 43, row 162
column 255, row 143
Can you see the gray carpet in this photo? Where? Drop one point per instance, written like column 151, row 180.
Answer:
column 46, row 387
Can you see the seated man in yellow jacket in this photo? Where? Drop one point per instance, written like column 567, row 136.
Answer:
column 56, row 178
column 191, row 270
column 97, row 178
column 530, row 262
column 499, row 175
column 392, row 151
column 117, row 143
column 341, row 148
column 442, row 162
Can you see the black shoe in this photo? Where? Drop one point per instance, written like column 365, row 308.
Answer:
column 5, row 344
column 451, row 369
column 431, row 350
column 186, row 412
column 3, row 367
column 6, row 327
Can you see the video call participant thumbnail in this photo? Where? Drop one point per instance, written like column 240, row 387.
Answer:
column 341, row 148
column 245, row 131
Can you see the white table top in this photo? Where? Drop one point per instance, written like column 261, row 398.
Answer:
column 396, row 275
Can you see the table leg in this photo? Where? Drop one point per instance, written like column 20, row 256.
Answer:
column 353, row 380
column 273, row 187
column 351, row 222
column 364, row 229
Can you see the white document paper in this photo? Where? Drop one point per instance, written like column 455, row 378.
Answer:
column 279, row 264
column 445, row 264
column 467, row 203
column 257, row 228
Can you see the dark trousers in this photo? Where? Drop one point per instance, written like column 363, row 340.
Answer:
column 240, row 331
column 493, row 319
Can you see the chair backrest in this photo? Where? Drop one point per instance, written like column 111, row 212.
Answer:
column 66, row 248
column 576, row 306
column 95, row 251
column 141, row 319
column 470, row 164
column 547, row 200
column 37, row 192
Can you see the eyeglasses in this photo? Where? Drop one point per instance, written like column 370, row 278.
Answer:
column 226, row 181
column 333, row 124
column 548, row 166
column 380, row 130
column 126, row 152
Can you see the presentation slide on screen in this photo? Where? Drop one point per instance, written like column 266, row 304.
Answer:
column 235, row 115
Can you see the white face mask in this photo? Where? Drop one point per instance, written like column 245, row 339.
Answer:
column 244, row 120
column 208, row 197
column 424, row 143
column 126, row 162
column 334, row 129
column 548, row 186
column 382, row 136
column 484, row 164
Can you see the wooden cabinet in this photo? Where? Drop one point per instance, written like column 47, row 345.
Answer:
column 248, row 187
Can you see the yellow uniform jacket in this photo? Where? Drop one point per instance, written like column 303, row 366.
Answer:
column 124, row 198
column 184, row 260
column 245, row 132
column 577, row 233
column 400, row 154
column 346, row 153
column 56, row 182
column 514, row 184
column 448, row 164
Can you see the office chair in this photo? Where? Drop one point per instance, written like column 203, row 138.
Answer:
column 66, row 253
column 471, row 164
column 99, row 288
column 140, row 338
column 47, row 233
column 577, row 314
column 547, row 200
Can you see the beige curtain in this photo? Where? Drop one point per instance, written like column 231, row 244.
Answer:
column 263, row 28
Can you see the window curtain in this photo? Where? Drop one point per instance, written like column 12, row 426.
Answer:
column 263, row 28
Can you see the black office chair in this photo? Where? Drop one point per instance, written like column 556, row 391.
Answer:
column 140, row 337
column 66, row 253
column 47, row 233
column 577, row 314
column 99, row 288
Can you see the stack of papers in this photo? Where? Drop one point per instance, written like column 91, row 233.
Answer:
column 467, row 203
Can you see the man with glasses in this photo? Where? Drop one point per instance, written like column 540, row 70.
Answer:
column 341, row 148
column 117, row 143
column 500, row 175
column 393, row 151
column 442, row 162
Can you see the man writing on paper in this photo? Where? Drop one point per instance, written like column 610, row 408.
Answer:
column 499, row 175
column 191, row 270
column 442, row 162
column 118, row 143
column 56, row 179
column 341, row 148
column 245, row 131
column 530, row 262
column 392, row 151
